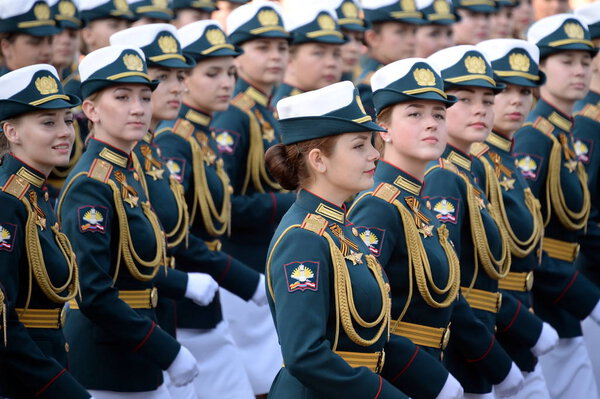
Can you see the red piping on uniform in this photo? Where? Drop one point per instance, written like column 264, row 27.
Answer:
column 143, row 341
column 512, row 321
column 407, row 365
column 379, row 390
column 558, row 298
column 487, row 352
column 226, row 271
column 38, row 393
column 274, row 214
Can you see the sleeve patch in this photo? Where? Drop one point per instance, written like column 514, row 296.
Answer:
column 445, row 208
column 176, row 168
column 226, row 141
column 92, row 218
column 528, row 164
column 583, row 149
column 302, row 276
column 372, row 237
column 7, row 236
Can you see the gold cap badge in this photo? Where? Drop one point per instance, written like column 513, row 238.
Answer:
column 215, row 37
column 41, row 11
column 519, row 62
column 424, row 77
column 574, row 30
column 441, row 7
column 66, row 8
column 475, row 64
column 160, row 3
column 326, row 22
column 46, row 85
column 349, row 10
column 268, row 17
column 167, row 44
column 133, row 62
column 121, row 5
column 408, row 5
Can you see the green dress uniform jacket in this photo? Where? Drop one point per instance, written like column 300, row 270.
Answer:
column 115, row 340
column 282, row 91
column 392, row 219
column 451, row 192
column 519, row 213
column 317, row 269
column 368, row 67
column 544, row 151
column 190, row 153
column 586, row 136
column 243, row 133
column 33, row 349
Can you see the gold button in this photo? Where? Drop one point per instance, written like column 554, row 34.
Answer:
column 230, row 190
column 136, row 177
column 158, row 152
column 154, row 297
column 63, row 317
column 355, row 232
column 446, row 338
column 529, row 281
column 46, row 196
column 499, row 303
column 66, row 347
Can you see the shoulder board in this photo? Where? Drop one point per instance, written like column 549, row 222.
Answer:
column 386, row 192
column 432, row 168
column 100, row 170
column 315, row 223
column 590, row 111
column 445, row 164
column 478, row 149
column 162, row 130
column 16, row 186
column 543, row 125
column 243, row 102
column 183, row 128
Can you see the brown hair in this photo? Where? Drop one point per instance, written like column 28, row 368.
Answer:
column 384, row 117
column 287, row 163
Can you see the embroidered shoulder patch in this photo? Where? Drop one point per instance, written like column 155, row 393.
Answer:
column 92, row 218
column 7, row 236
column 583, row 149
column 176, row 168
column 302, row 276
column 372, row 237
column 445, row 208
column 226, row 141
column 528, row 164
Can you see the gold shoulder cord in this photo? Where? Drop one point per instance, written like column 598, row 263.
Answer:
column 3, row 310
column 181, row 229
column 255, row 166
column 346, row 312
column 37, row 266
column 203, row 197
column 126, row 248
column 555, row 197
column 494, row 268
column 518, row 248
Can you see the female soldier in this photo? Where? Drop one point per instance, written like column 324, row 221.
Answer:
column 515, row 63
column 328, row 295
column 547, row 159
column 436, row 33
column 188, row 11
column 34, row 138
column 353, row 27
column 116, row 343
column 452, row 193
column 65, row 45
column 315, row 53
column 405, row 236
column 102, row 18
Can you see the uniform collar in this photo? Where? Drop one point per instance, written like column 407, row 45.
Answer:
column 14, row 166
column 148, row 137
column 109, row 153
column 369, row 64
column 4, row 70
column 499, row 141
column 289, row 90
column 556, row 117
column 315, row 204
column 195, row 116
column 258, row 96
column 389, row 173
column 457, row 157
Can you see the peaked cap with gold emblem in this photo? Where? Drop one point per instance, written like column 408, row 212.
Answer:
column 258, row 19
column 111, row 66
column 408, row 80
column 478, row 6
column 392, row 10
column 332, row 110
column 590, row 14
column 155, row 9
column 437, row 12
column 32, row 17
column 465, row 65
column 32, row 88
column 205, row 39
column 202, row 5
column 92, row 10
column 158, row 42
column 349, row 15
column 312, row 22
column 561, row 32
column 66, row 13
column 514, row 61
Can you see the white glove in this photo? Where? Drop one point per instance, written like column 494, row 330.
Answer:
column 183, row 370
column 451, row 389
column 547, row 341
column 511, row 384
column 201, row 288
column 595, row 315
column 260, row 295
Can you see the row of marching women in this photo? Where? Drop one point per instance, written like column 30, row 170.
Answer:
column 285, row 201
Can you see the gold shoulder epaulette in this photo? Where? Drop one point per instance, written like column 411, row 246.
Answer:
column 100, row 170
column 16, row 186
column 315, row 223
column 386, row 192
column 478, row 149
column 590, row 111
column 243, row 102
column 161, row 131
column 183, row 128
column 445, row 164
column 543, row 125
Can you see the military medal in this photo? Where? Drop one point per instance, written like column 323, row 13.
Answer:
column 507, row 182
column 421, row 220
column 39, row 213
column 127, row 192
column 209, row 155
column 349, row 254
column 571, row 163
column 152, row 167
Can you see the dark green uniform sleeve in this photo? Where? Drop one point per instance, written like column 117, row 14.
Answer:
column 301, row 319
column 99, row 298
column 516, row 322
column 531, row 144
column 171, row 283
